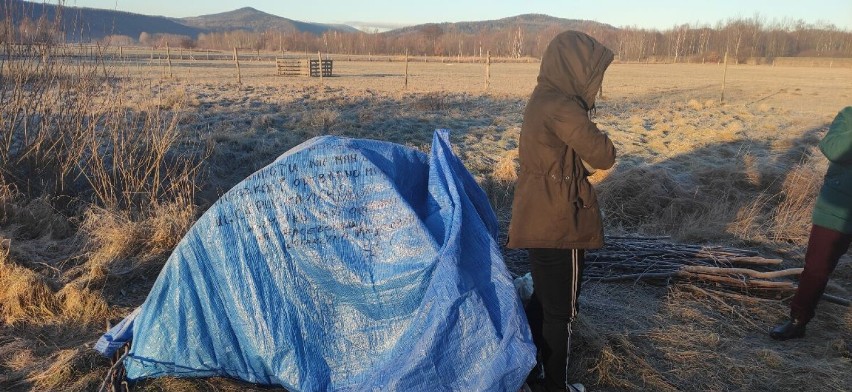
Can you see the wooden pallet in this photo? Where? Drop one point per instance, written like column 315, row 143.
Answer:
column 326, row 68
column 303, row 67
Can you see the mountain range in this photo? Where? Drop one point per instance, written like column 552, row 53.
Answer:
column 89, row 24
column 250, row 19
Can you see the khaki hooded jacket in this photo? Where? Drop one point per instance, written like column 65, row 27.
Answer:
column 554, row 205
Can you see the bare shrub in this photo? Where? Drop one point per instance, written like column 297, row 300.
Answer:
column 64, row 131
column 70, row 147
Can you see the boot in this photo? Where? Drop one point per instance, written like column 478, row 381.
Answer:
column 792, row 329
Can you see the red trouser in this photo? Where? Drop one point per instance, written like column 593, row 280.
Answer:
column 824, row 250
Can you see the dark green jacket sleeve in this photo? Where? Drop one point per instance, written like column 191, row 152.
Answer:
column 837, row 143
column 833, row 209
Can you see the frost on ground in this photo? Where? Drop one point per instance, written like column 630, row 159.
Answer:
column 740, row 173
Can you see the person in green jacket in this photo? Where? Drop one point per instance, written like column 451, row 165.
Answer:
column 831, row 233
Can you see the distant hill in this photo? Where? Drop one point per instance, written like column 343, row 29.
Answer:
column 86, row 24
column 251, row 19
column 530, row 23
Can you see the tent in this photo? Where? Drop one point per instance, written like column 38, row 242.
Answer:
column 345, row 264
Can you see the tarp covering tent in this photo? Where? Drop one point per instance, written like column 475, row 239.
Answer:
column 346, row 264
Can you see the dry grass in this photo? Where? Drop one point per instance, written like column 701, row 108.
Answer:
column 784, row 215
column 25, row 294
column 792, row 218
column 506, row 168
column 119, row 244
column 90, row 189
column 689, row 338
column 118, row 186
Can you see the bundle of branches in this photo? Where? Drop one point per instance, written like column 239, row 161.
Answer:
column 658, row 260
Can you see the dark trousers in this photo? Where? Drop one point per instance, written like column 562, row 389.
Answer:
column 825, row 247
column 556, row 275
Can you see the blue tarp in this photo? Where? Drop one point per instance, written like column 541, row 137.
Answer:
column 345, row 265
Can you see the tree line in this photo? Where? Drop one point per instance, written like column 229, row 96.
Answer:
column 741, row 39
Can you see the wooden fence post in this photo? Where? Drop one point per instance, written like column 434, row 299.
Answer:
column 724, row 76
column 169, row 59
column 487, row 70
column 406, row 70
column 237, row 60
column 319, row 56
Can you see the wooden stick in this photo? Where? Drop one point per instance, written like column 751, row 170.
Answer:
column 738, row 283
column 754, row 260
column 836, row 300
column 405, row 87
column 657, row 275
column 733, row 296
column 741, row 283
column 743, row 271
column 722, row 302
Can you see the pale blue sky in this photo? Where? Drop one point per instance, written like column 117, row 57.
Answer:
column 660, row 14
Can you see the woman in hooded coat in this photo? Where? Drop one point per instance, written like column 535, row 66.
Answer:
column 555, row 213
